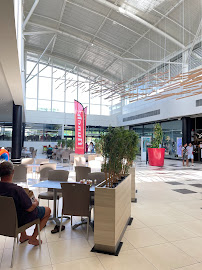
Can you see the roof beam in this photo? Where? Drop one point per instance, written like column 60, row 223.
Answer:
column 166, row 59
column 30, row 13
column 95, row 35
column 37, row 33
column 94, row 12
column 98, row 38
column 140, row 20
column 59, row 22
column 153, row 61
column 194, row 41
column 71, row 61
column 129, row 49
column 85, row 41
column 41, row 56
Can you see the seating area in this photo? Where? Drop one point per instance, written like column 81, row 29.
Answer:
column 101, row 134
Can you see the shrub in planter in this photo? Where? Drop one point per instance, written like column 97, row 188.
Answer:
column 59, row 143
column 70, row 144
column 119, row 148
column 155, row 152
column 98, row 146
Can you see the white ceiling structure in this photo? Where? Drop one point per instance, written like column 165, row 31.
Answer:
column 115, row 39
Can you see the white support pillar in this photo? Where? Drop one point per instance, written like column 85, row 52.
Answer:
column 184, row 62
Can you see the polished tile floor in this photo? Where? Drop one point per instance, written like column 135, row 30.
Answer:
column 166, row 232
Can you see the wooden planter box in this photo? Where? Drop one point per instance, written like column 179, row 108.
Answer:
column 112, row 214
column 133, row 189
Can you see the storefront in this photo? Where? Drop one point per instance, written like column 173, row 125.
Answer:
column 172, row 136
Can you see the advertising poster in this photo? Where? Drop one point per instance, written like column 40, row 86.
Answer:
column 179, row 146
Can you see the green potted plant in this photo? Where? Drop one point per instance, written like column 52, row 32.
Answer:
column 98, row 146
column 156, row 153
column 70, row 144
column 59, row 143
column 113, row 196
column 119, row 148
column 63, row 143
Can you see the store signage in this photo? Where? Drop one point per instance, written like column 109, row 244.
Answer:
column 199, row 135
column 179, row 146
column 79, row 127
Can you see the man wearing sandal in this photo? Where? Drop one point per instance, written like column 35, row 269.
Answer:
column 27, row 210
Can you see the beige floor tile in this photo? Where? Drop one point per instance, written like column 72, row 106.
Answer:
column 126, row 245
column 150, row 218
column 166, row 256
column 143, row 237
column 48, row 267
column 2, row 241
column 84, row 264
column 173, row 232
column 192, row 247
column 26, row 256
column 136, row 224
column 178, row 216
column 127, row 260
column 67, row 250
column 197, row 266
column 68, row 233
column 1, row 254
column 194, row 226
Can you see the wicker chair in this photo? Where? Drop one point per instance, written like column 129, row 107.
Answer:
column 76, row 201
column 82, row 172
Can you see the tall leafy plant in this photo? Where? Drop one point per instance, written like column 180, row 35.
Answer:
column 63, row 143
column 130, row 149
column 98, row 146
column 119, row 148
column 70, row 144
column 59, row 143
column 158, row 136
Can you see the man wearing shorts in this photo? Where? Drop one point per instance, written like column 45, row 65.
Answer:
column 190, row 153
column 27, row 210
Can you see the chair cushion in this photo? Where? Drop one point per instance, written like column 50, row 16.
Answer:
column 48, row 195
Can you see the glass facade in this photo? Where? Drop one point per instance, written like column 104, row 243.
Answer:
column 172, row 130
column 92, row 132
column 53, row 88
column 35, row 132
column 43, row 132
column 5, row 131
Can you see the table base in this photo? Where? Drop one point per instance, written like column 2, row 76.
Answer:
column 83, row 222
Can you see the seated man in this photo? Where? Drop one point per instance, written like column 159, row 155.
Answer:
column 49, row 152
column 27, row 210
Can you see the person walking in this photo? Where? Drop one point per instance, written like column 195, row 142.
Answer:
column 185, row 154
column 190, row 153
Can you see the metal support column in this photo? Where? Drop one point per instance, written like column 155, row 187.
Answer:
column 17, row 134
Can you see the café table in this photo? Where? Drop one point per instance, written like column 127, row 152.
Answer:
column 26, row 153
column 55, row 185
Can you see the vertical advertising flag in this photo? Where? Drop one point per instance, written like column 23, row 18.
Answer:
column 79, row 128
column 85, row 119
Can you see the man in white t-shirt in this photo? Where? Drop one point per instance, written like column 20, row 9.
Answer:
column 190, row 153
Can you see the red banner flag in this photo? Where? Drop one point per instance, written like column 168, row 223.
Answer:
column 85, row 119
column 79, row 128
